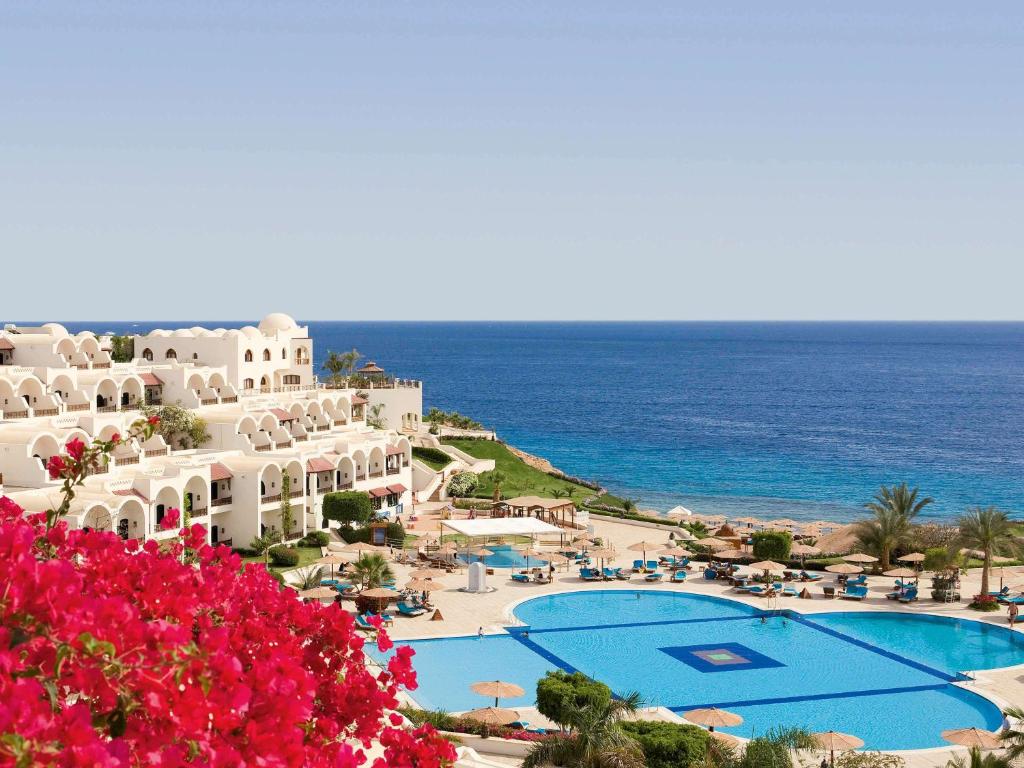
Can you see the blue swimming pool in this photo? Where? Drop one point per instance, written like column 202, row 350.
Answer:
column 505, row 556
column 884, row 677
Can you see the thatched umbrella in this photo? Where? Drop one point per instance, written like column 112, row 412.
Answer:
column 676, row 552
column 731, row 554
column 644, row 546
column 768, row 566
column 425, row 586
column 492, row 715
column 973, row 738
column 498, row 689
column 845, row 568
column 332, row 560
column 361, row 547
column 901, row 573
column 833, row 742
column 604, row 554
column 530, row 552
column 803, row 550
column 427, row 573
column 860, row 557
column 317, row 593
column 380, row 596
column 713, row 544
column 913, row 557
column 713, row 717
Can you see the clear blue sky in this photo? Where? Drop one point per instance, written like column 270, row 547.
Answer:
column 534, row 160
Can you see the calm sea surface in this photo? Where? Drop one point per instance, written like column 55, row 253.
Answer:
column 795, row 419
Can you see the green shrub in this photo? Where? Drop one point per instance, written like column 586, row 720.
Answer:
column 394, row 532
column 669, row 745
column 559, row 694
column 939, row 558
column 348, row 507
column 463, row 484
column 432, row 455
column 772, row 545
column 766, row 753
column 315, row 539
column 284, row 557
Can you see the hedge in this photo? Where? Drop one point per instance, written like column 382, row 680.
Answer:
column 772, row 545
column 315, row 539
column 669, row 745
column 286, row 557
column 443, row 721
column 431, row 454
column 348, row 507
column 561, row 693
column 395, row 532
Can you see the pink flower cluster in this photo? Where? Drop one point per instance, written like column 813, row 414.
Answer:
column 114, row 654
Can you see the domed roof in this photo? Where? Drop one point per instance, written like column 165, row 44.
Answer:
column 55, row 329
column 182, row 333
column 158, row 333
column 251, row 332
column 234, row 332
column 277, row 321
column 199, row 331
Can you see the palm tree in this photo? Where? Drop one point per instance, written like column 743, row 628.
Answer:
column 496, row 477
column 334, row 365
column 977, row 759
column 989, row 530
column 350, row 360
column 371, row 570
column 894, row 510
column 310, row 577
column 375, row 417
column 628, row 507
column 560, row 493
column 595, row 739
column 1013, row 737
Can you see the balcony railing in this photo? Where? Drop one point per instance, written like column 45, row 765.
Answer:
column 131, row 407
column 199, row 511
column 101, row 365
column 344, row 486
column 15, row 414
column 285, row 444
column 208, row 401
column 262, row 448
column 125, row 460
column 106, row 408
column 300, row 438
column 323, row 489
column 271, row 498
column 376, row 474
column 295, row 494
column 151, row 452
column 394, row 470
column 230, row 399
column 221, row 501
column 361, row 477
column 322, row 427
column 76, row 407
column 45, row 411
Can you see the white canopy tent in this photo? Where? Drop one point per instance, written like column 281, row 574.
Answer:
column 494, row 527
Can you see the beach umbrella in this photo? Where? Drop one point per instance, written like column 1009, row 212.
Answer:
column 768, row 566
column 973, row 737
column 604, row 554
column 424, row 585
column 379, row 593
column 676, row 552
column 846, row 568
column 679, row 511
column 644, row 546
column 833, row 742
column 529, row 552
column 803, row 550
column 332, row 560
column 730, row 554
column 427, row 573
column 913, row 557
column 860, row 557
column 901, row 573
column 713, row 717
column 498, row 689
column 317, row 593
column 492, row 715
column 712, row 543
column 724, row 738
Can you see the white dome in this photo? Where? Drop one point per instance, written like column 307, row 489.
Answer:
column 277, row 321
column 198, row 331
column 55, row 329
column 159, row 333
column 233, row 333
column 251, row 332
column 182, row 333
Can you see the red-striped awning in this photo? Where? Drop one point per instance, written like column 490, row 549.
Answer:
column 357, row 400
column 319, row 465
column 379, row 492
column 219, row 472
column 151, row 380
column 282, row 415
column 131, row 492
column 6, row 344
column 398, row 488
column 394, row 450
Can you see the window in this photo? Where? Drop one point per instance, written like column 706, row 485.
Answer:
column 248, row 355
column 248, row 384
column 195, row 355
column 284, row 354
column 266, row 355
column 171, row 355
column 147, row 354
column 264, row 382
column 291, row 379
column 301, row 356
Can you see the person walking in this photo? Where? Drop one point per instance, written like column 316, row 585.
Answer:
column 1012, row 614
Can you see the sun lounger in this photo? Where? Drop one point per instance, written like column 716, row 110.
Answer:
column 652, row 565
column 710, row 574
column 363, row 620
column 678, row 577
column 909, row 596
column 763, row 591
column 805, row 576
column 854, row 592
column 407, row 609
column 608, row 574
column 1004, row 592
column 589, row 574
column 1018, row 600
column 790, row 592
column 653, row 577
column 638, row 565
column 522, row 578
column 858, row 581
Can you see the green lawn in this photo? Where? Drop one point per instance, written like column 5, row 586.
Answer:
column 306, row 557
column 522, row 479
column 610, row 500
column 425, row 456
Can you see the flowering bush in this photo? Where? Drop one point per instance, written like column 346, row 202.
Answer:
column 984, row 603
column 117, row 654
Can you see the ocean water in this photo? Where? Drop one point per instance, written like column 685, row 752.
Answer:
column 802, row 420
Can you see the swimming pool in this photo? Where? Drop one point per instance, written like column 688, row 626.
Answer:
column 505, row 556
column 885, row 677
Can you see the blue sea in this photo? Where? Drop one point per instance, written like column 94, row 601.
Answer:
column 802, row 420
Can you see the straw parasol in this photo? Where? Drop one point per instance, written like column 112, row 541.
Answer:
column 973, row 737
column 844, row 568
column 424, row 585
column 913, row 557
column 604, row 554
column 448, row 548
column 427, row 573
column 481, row 552
column 803, row 550
column 833, row 742
column 379, row 593
column 317, row 593
column 712, row 543
column 768, row 566
column 644, row 546
column 332, row 560
column 860, row 557
column 361, row 548
column 901, row 573
column 554, row 558
column 492, row 715
column 730, row 554
column 713, row 717
column 535, row 554
column 498, row 689
column 676, row 552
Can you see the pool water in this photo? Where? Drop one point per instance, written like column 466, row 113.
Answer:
column 505, row 556
column 886, row 678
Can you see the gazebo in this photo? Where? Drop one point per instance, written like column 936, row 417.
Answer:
column 480, row 530
column 557, row 511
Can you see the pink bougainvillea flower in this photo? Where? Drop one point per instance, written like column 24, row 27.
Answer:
column 55, row 466
column 75, row 448
column 172, row 518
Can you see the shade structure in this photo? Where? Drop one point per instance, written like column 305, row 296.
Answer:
column 555, row 559
column 913, row 557
column 833, row 742
column 713, row 717
column 531, row 553
column 645, row 547
column 730, row 554
column 499, row 689
column 362, row 547
column 332, row 559
column 844, row 568
column 901, row 573
column 604, row 554
column 481, row 552
column 584, row 540
column 317, row 593
column 379, row 593
column 725, row 738
column 427, row 573
column 860, row 557
column 768, row 565
column 424, row 585
column 492, row 715
column 676, row 552
column 448, row 548
column 804, row 550
column 973, row 737
column 712, row 543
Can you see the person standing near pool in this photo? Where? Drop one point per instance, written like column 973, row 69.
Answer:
column 1011, row 612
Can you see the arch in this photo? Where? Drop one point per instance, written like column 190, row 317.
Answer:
column 131, row 520
column 314, row 410
column 301, row 356
column 345, row 473
column 376, row 461
column 270, row 481
column 297, row 473
column 106, row 393
column 269, row 422
column 66, row 348
column 30, row 390
column 216, row 381
column 147, row 354
column 195, row 382
column 108, row 432
column 89, row 346
column 297, row 410
column 170, row 354
column 344, row 410
column 98, row 518
column 196, row 496
column 44, row 446
column 248, row 384
column 62, row 385
column 132, row 391
column 247, row 426
column 248, row 355
column 266, row 355
column 166, row 499
column 359, row 459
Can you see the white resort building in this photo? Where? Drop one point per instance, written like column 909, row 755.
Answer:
column 265, row 411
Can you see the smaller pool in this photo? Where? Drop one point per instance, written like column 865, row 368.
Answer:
column 505, row 556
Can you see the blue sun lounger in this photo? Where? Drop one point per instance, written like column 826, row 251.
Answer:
column 1004, row 592
column 654, row 577
column 854, row 592
column 638, row 565
column 522, row 578
column 589, row 574
column 810, row 576
column 858, row 581
column 909, row 596
column 407, row 609
column 678, row 577
column 652, row 565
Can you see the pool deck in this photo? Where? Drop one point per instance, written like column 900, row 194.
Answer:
column 466, row 614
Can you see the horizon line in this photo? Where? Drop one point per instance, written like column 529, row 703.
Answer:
column 777, row 321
